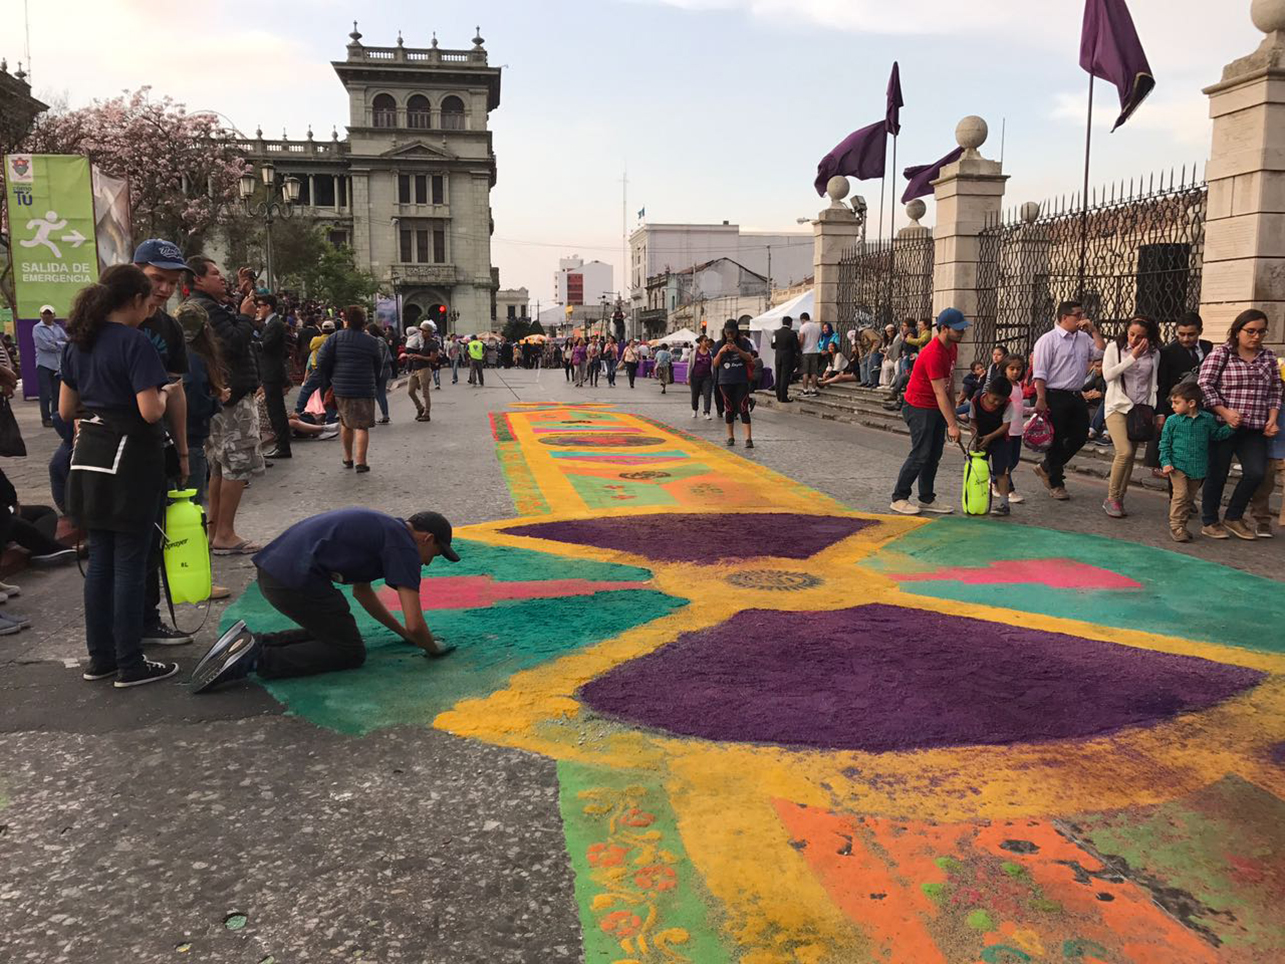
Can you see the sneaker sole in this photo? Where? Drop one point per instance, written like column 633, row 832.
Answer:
column 220, row 647
column 151, row 679
column 95, row 677
column 910, row 511
column 218, row 673
column 177, row 641
column 1250, row 537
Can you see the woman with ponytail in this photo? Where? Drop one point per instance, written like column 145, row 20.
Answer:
column 115, row 383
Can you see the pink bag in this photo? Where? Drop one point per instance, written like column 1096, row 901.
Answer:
column 1038, row 433
column 316, row 405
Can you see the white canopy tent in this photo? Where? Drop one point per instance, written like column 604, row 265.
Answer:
column 771, row 320
column 684, row 336
column 761, row 327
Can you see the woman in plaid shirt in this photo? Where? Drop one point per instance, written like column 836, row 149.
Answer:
column 1242, row 387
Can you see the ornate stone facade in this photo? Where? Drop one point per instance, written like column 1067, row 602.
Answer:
column 409, row 189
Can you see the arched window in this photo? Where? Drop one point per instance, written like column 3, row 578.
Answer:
column 453, row 114
column 385, row 111
column 418, row 113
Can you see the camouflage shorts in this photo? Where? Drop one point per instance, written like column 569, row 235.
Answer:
column 233, row 446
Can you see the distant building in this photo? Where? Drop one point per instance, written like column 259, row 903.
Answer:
column 703, row 296
column 579, row 282
column 512, row 304
column 784, row 258
column 409, row 188
column 18, row 109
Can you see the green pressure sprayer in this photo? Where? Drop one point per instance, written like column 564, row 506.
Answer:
column 187, row 550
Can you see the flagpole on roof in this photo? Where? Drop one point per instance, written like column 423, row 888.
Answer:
column 882, row 181
column 1084, row 198
column 892, row 205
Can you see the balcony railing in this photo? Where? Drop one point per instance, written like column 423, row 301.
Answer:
column 307, row 148
column 417, row 55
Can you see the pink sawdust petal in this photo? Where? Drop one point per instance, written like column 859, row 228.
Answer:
column 1054, row 573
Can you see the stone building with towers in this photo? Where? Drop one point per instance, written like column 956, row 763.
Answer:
column 409, row 188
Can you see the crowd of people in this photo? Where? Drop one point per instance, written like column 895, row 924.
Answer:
column 144, row 402
column 1196, row 408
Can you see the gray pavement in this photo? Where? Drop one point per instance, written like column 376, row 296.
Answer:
column 133, row 824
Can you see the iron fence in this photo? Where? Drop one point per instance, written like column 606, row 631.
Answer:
column 883, row 282
column 1136, row 249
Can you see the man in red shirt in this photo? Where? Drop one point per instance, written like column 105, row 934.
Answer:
column 930, row 415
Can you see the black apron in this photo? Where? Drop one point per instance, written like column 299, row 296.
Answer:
column 117, row 473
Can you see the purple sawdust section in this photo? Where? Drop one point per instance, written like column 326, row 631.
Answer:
column 880, row 678
column 702, row 537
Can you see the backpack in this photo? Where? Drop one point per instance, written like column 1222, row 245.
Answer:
column 1038, row 433
column 977, row 482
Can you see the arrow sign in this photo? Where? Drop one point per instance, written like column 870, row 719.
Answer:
column 75, row 239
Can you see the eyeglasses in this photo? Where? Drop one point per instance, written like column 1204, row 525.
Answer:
column 1255, row 332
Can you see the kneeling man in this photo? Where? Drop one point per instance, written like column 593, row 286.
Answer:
column 297, row 575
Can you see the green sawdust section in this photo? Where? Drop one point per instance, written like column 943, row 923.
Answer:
column 1180, row 596
column 1217, row 852
column 633, row 878
column 607, row 493
column 399, row 686
column 527, row 497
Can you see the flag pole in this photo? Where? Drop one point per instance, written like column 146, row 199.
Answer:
column 892, row 201
column 882, row 181
column 1084, row 198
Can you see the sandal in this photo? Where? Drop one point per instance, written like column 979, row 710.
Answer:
column 243, row 548
column 348, row 465
column 363, row 467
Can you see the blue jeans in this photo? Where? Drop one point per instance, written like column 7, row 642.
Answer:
column 455, row 369
column 381, row 396
column 437, row 377
column 310, row 385
column 114, row 581
column 1099, row 421
column 50, row 384
column 871, row 364
column 927, row 440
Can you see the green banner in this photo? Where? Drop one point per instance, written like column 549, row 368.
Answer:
column 51, row 227
column 6, row 323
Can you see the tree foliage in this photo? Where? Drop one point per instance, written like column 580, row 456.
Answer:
column 334, row 278
column 182, row 168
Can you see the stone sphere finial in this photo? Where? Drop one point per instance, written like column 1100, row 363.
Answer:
column 915, row 210
column 1030, row 212
column 970, row 134
column 1268, row 15
column 837, row 187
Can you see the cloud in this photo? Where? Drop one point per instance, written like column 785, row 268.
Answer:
column 1182, row 117
column 235, row 66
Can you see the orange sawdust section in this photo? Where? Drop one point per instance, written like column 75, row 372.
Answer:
column 920, row 890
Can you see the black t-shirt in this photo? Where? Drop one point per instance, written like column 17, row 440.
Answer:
column 731, row 368
column 108, row 377
column 986, row 421
column 167, row 335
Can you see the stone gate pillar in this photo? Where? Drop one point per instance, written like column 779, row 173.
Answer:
column 1245, row 223
column 835, row 230
column 969, row 194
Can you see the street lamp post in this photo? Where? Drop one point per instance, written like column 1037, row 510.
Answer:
column 273, row 205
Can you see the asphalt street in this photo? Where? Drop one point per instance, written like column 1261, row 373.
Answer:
column 149, row 825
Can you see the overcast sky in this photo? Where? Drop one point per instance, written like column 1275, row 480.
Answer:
column 720, row 108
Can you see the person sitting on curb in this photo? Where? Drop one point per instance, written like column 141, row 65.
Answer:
column 297, row 575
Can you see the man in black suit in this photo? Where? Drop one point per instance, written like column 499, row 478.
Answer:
column 1184, row 354
column 786, row 342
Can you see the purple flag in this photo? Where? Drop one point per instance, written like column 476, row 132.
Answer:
column 895, row 103
column 921, row 178
column 861, row 155
column 1110, row 49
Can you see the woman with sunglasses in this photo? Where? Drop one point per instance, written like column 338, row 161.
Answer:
column 1242, row 387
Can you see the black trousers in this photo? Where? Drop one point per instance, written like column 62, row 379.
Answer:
column 274, row 396
column 784, row 372
column 329, row 639
column 1249, row 445
column 1069, row 413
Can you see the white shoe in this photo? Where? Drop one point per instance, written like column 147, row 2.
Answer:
column 1015, row 498
column 9, row 590
column 693, row 413
column 708, row 416
column 936, row 508
column 905, row 507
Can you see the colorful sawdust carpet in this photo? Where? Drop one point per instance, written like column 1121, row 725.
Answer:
column 790, row 732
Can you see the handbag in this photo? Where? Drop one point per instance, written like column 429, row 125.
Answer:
column 1141, row 423
column 1037, row 435
column 11, row 443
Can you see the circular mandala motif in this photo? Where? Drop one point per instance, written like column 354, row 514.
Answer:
column 774, row 579
column 600, row 441
column 645, row 474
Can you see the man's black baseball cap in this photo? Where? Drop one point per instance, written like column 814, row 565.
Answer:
column 435, row 523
